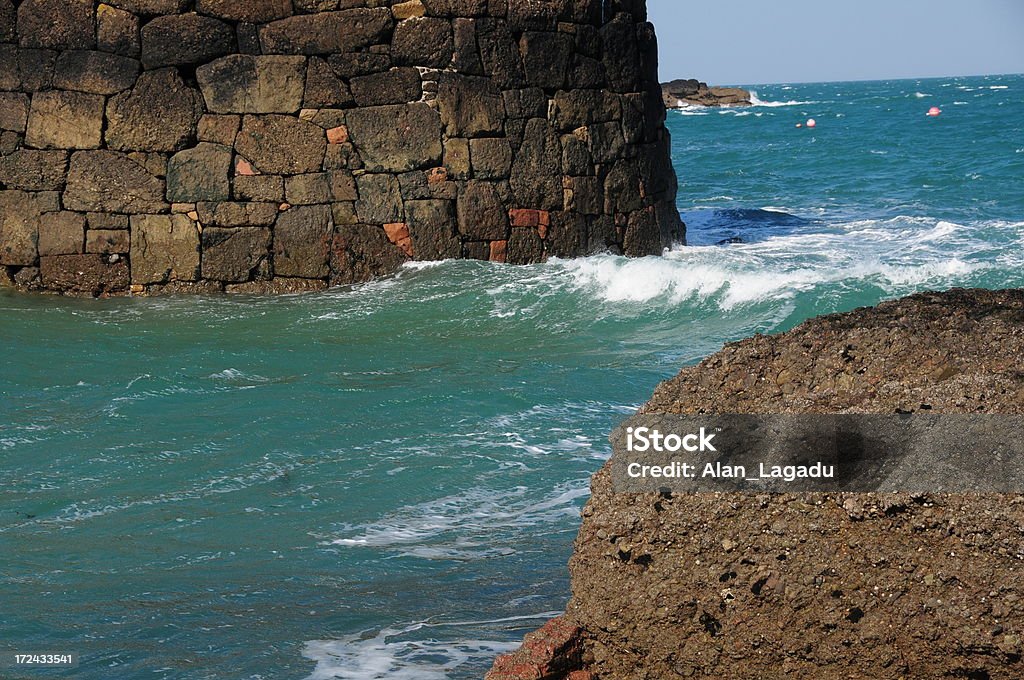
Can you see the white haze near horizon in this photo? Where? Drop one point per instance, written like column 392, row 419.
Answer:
column 747, row 42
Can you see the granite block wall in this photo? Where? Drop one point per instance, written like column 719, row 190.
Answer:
column 152, row 146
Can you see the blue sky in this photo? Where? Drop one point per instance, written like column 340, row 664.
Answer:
column 734, row 42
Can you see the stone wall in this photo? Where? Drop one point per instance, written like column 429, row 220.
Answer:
column 271, row 145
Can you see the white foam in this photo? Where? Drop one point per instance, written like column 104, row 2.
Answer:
column 756, row 101
column 418, row 651
column 921, row 95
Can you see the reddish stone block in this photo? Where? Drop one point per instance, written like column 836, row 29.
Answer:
column 498, row 251
column 398, row 233
column 337, row 135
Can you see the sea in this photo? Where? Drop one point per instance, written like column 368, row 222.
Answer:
column 385, row 480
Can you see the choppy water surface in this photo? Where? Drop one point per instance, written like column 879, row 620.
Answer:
column 384, row 481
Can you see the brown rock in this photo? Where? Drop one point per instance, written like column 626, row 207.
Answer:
column 61, row 233
column 159, row 114
column 229, row 214
column 281, row 144
column 337, row 135
column 470, row 106
column 56, row 24
column 236, row 255
column 498, row 251
column 249, row 84
column 8, row 17
column 324, row 88
column 546, row 58
column 94, row 72
column 396, row 138
column 380, row 199
column 395, row 86
column 117, row 31
column 482, row 216
column 108, row 241
column 151, row 7
column 398, row 233
column 33, row 170
column 302, row 240
column 524, row 247
column 309, row 189
column 407, row 10
column 200, row 174
column 536, row 176
column 252, row 11
column 327, row 33
column 360, row 252
column 13, row 111
column 219, row 129
column 491, row 158
column 183, row 39
column 106, row 181
column 20, row 213
column 65, row 120
column 432, row 230
column 264, row 188
column 95, row 275
column 424, row 42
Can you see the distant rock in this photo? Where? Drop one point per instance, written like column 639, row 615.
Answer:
column 680, row 93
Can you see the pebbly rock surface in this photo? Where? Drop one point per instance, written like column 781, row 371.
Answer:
column 681, row 93
column 269, row 145
column 807, row 586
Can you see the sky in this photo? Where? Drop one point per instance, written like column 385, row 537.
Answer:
column 750, row 42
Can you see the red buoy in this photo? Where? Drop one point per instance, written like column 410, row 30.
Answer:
column 934, row 111
column 811, row 122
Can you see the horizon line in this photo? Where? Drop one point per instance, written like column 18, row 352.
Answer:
column 854, row 80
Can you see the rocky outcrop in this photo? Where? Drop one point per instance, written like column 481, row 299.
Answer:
column 733, row 585
column 265, row 145
column 681, row 93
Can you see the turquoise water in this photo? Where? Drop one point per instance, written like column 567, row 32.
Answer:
column 384, row 481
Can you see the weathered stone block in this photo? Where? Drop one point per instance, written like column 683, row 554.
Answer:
column 117, row 31
column 456, row 158
column 308, row 189
column 329, row 32
column 546, row 58
column 302, row 240
column 482, row 217
column 268, row 188
column 56, row 24
column 432, row 230
column 470, row 106
column 396, row 138
column 236, row 255
column 466, row 52
column 456, row 8
column 33, row 170
column 622, row 188
column 572, row 109
column 108, row 241
column 107, row 181
column 281, row 144
column 396, row 86
column 353, row 64
column 249, row 84
column 491, row 158
column 408, row 10
column 8, row 16
column 380, row 199
column 20, row 213
column 183, row 39
column 107, row 221
column 200, row 174
column 621, row 53
column 524, row 247
column 96, row 275
column 65, row 120
column 61, row 233
column 642, row 234
column 34, row 69
column 343, row 186
column 253, row 11
column 151, row 7
column 219, row 129
column 537, row 171
column 425, row 42
column 228, row 214
column 525, row 103
column 164, row 248
column 94, row 72
column 13, row 111
column 324, row 88
column 159, row 114
column 360, row 252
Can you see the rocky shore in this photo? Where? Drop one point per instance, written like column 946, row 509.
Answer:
column 682, row 93
column 811, row 585
column 164, row 146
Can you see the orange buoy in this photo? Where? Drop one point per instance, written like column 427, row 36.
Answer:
column 934, row 111
column 811, row 122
